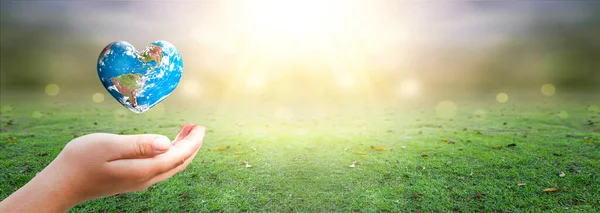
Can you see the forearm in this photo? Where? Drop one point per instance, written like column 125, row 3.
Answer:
column 41, row 194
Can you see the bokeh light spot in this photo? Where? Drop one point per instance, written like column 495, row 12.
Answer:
column 98, row 97
column 548, row 89
column 502, row 97
column 37, row 114
column 52, row 89
column 446, row 109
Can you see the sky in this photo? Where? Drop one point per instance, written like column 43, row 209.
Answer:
column 253, row 42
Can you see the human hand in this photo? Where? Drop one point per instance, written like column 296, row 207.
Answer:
column 99, row 165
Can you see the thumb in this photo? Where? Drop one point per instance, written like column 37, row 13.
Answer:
column 139, row 146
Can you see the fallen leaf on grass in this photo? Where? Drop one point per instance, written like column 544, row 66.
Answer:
column 360, row 153
column 588, row 139
column 551, row 189
column 12, row 140
column 521, row 184
column 222, row 148
column 496, row 147
column 378, row 148
column 239, row 153
column 562, row 174
column 479, row 196
column 449, row 141
column 415, row 195
column 511, row 145
column 354, row 163
column 424, row 155
column 247, row 164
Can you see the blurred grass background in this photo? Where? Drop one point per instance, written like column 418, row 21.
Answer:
column 301, row 89
column 312, row 52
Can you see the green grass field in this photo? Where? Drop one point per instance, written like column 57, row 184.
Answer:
column 301, row 156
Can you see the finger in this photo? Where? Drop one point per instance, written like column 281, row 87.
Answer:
column 195, row 135
column 146, row 168
column 185, row 130
column 172, row 172
column 136, row 146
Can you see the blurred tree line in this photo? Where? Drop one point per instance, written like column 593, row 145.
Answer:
column 34, row 53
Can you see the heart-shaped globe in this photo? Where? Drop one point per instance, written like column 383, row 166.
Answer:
column 140, row 80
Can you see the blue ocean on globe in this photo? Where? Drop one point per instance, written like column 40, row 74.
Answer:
column 140, row 80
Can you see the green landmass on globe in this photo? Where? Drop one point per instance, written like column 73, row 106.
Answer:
column 129, row 85
column 151, row 53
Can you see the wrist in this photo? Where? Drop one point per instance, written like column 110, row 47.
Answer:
column 36, row 196
column 56, row 183
column 50, row 191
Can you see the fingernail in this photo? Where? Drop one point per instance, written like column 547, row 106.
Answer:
column 161, row 143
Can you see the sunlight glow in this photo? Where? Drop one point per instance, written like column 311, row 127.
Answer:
column 255, row 82
column 277, row 39
column 284, row 113
column 191, row 89
column 409, row 88
column 346, row 81
column 291, row 18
